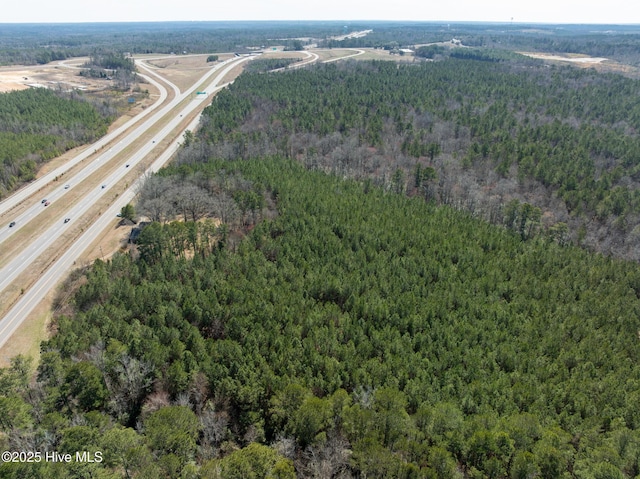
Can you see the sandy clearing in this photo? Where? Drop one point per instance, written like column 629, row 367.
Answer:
column 568, row 58
column 48, row 76
column 603, row 65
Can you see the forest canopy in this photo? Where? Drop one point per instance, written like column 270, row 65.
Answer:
column 359, row 331
column 43, row 43
column 38, row 124
column 493, row 127
column 356, row 270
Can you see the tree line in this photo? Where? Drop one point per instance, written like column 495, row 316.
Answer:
column 38, row 124
column 31, row 44
column 560, row 138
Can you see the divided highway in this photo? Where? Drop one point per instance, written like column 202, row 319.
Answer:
column 33, row 187
column 37, row 248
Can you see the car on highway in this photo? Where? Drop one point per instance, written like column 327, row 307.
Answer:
column 66, row 187
column 103, row 186
column 127, row 165
column 66, row 220
column 12, row 224
column 44, row 201
column 47, row 203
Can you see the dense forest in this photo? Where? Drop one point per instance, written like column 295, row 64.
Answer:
column 355, row 270
column 33, row 43
column 30, row 44
column 358, row 333
column 38, row 124
column 494, row 128
column 619, row 42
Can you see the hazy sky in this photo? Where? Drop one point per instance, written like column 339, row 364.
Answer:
column 545, row 11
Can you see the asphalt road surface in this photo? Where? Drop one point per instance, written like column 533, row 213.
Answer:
column 60, row 268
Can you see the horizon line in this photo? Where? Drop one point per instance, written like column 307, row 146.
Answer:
column 499, row 22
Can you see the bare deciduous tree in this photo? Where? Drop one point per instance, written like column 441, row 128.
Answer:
column 195, row 202
column 214, row 426
column 327, row 460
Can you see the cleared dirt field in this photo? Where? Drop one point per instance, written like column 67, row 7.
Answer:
column 369, row 54
column 572, row 58
column 63, row 75
column 183, row 70
column 380, row 54
column 584, row 61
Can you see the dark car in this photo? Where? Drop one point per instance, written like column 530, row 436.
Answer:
column 66, row 220
column 12, row 224
column 44, row 201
